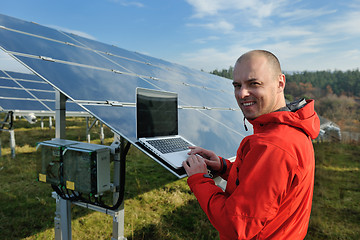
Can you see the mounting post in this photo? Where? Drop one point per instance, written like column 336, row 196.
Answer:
column 60, row 115
column 12, row 142
column 102, row 136
column 62, row 218
column 119, row 183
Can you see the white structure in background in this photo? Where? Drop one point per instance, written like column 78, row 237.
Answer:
column 329, row 131
column 31, row 118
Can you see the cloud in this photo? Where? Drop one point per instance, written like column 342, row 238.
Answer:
column 128, row 3
column 346, row 24
column 209, row 59
column 304, row 37
column 252, row 11
column 206, row 7
column 293, row 54
column 221, row 25
column 206, row 39
column 301, row 14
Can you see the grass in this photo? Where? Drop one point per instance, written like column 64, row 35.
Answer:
column 157, row 204
column 336, row 209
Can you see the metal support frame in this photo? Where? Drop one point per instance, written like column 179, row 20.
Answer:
column 120, row 147
column 90, row 126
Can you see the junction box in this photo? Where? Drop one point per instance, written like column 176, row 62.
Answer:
column 77, row 166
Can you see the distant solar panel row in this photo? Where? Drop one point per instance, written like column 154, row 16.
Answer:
column 91, row 73
column 27, row 92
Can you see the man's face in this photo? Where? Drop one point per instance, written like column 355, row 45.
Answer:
column 257, row 88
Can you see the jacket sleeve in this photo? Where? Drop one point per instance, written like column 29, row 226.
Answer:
column 262, row 174
column 225, row 168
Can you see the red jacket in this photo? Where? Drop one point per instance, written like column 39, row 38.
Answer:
column 270, row 184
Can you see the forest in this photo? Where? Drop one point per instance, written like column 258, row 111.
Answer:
column 336, row 93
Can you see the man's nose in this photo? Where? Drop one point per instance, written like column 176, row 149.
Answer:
column 243, row 92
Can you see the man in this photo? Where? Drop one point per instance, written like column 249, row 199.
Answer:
column 270, row 185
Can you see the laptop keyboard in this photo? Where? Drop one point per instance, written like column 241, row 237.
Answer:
column 169, row 145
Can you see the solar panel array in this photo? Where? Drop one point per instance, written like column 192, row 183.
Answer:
column 102, row 79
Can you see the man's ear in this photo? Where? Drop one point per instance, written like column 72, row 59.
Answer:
column 281, row 82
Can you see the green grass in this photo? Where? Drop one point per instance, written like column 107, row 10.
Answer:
column 336, row 205
column 157, row 204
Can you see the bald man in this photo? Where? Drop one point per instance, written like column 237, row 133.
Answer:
column 270, row 184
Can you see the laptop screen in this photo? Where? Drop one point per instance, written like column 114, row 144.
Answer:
column 156, row 113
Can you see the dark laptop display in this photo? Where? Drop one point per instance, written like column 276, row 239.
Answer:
column 156, row 113
column 157, row 125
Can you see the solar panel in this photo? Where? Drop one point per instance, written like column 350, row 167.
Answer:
column 22, row 92
column 102, row 79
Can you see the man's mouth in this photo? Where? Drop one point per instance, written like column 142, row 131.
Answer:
column 247, row 104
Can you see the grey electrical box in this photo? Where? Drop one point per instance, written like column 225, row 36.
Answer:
column 77, row 166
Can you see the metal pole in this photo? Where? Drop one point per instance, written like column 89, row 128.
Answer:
column 118, row 224
column 63, row 209
column 119, row 183
column 60, row 115
column 42, row 122
column 101, row 133
column 50, row 122
column 12, row 142
column 87, row 130
column 62, row 218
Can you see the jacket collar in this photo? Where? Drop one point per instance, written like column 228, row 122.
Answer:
column 300, row 114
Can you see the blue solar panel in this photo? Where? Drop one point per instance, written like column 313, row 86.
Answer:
column 88, row 70
column 6, row 82
column 28, row 92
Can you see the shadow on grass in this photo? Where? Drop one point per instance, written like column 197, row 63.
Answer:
column 185, row 222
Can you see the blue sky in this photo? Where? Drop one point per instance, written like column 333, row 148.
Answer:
column 211, row 34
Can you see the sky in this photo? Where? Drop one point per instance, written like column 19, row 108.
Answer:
column 306, row 35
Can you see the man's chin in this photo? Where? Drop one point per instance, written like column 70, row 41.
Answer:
column 249, row 116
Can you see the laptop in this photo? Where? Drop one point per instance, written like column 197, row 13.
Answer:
column 157, row 126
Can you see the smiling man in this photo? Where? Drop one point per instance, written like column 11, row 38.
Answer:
column 270, row 185
column 259, row 84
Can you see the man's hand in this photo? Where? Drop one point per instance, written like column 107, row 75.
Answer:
column 210, row 158
column 194, row 164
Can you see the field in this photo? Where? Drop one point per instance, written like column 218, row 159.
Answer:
column 157, row 204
